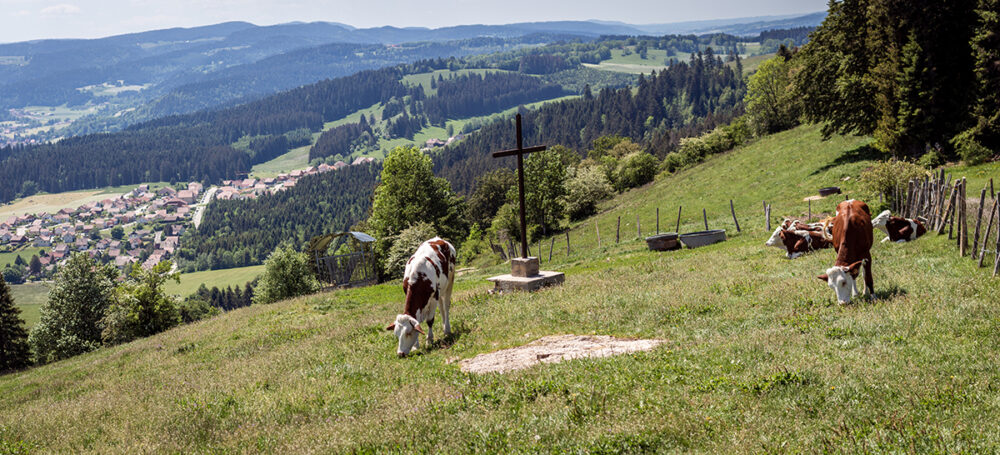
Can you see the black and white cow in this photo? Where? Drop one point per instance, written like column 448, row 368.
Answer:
column 428, row 281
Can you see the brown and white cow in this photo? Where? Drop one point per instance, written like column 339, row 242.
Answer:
column 427, row 282
column 897, row 228
column 798, row 238
column 798, row 241
column 852, row 240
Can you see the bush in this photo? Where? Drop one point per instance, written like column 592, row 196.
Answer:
column 636, row 169
column 287, row 274
column 884, row 176
column 585, row 188
column 404, row 246
column 693, row 150
column 71, row 319
column 195, row 308
column 141, row 307
column 970, row 150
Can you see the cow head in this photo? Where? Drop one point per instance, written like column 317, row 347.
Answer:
column 775, row 239
column 843, row 280
column 405, row 329
column 881, row 220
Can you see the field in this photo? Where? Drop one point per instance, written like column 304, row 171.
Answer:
column 53, row 202
column 297, row 158
column 633, row 63
column 25, row 253
column 221, row 278
column 424, row 79
column 29, row 298
column 758, row 357
column 750, row 64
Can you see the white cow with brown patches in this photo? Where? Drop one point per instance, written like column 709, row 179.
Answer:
column 427, row 282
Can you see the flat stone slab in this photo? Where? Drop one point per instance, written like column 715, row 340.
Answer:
column 507, row 283
column 555, row 349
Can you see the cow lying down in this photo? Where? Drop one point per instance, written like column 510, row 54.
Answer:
column 798, row 238
column 897, row 228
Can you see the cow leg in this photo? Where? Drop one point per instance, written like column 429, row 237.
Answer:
column 446, row 303
column 430, row 331
column 869, row 281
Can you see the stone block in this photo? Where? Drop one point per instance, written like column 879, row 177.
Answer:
column 524, row 267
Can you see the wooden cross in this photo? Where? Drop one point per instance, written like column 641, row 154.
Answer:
column 520, row 151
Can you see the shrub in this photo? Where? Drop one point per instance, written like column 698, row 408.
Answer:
column 585, row 188
column 404, row 246
column 882, row 177
column 969, row 149
column 286, row 274
column 195, row 308
column 635, row 169
column 71, row 319
column 695, row 149
column 141, row 307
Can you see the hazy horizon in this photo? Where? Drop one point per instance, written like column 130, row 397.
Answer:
column 27, row 20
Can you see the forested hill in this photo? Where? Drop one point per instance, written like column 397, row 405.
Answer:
column 236, row 233
column 680, row 101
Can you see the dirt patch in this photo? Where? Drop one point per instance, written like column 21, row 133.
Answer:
column 554, row 349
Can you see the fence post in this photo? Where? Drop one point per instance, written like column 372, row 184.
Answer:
column 996, row 260
column 678, row 229
column 552, row 244
column 618, row 230
column 979, row 222
column 638, row 227
column 657, row 221
column 945, row 212
column 733, row 211
column 567, row 243
column 989, row 227
column 811, row 209
column 767, row 215
column 963, row 228
column 704, row 217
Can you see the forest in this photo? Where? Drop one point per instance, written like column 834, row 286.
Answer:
column 237, row 233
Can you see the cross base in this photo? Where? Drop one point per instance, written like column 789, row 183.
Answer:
column 509, row 283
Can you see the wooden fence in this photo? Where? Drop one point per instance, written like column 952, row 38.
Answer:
column 944, row 205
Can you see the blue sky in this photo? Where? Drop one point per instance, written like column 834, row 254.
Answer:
column 22, row 20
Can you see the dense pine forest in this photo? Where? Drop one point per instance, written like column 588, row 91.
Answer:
column 236, row 233
column 682, row 100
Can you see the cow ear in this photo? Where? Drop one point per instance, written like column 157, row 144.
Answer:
column 824, row 278
column 391, row 327
column 853, row 268
column 418, row 329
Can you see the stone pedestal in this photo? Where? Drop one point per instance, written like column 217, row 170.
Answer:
column 525, row 276
column 524, row 267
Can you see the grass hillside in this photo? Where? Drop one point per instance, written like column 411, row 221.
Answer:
column 757, row 358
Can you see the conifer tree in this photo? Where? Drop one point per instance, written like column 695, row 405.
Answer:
column 14, row 352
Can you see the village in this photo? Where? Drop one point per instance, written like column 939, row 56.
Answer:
column 143, row 226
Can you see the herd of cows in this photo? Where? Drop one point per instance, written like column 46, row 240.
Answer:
column 850, row 233
column 430, row 272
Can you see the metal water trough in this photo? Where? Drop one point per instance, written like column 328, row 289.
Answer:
column 703, row 238
column 663, row 242
column 829, row 190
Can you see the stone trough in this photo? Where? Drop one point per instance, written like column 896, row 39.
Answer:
column 663, row 242
column 703, row 238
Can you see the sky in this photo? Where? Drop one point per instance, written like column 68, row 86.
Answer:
column 22, row 20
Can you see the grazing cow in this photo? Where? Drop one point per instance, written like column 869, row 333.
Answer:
column 899, row 229
column 429, row 277
column 852, row 240
column 798, row 241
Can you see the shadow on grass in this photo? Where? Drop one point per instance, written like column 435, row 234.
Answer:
column 458, row 330
column 862, row 153
column 890, row 293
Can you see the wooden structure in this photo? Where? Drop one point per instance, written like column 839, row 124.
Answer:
column 356, row 267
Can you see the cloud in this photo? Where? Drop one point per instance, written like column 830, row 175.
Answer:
column 61, row 9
